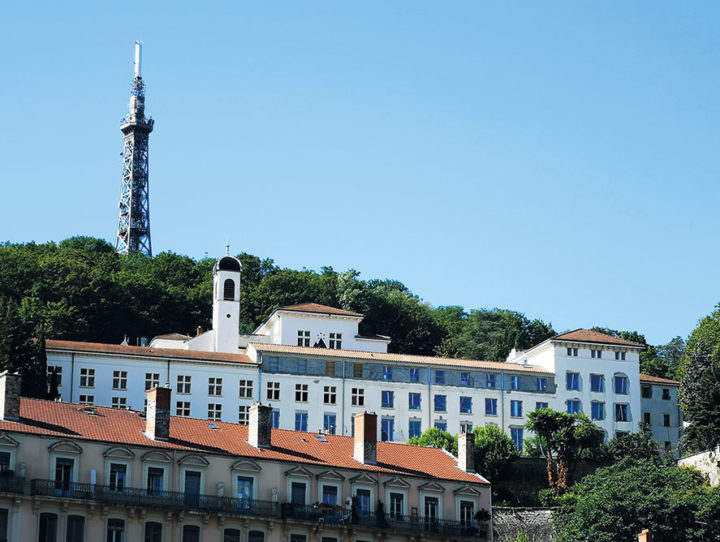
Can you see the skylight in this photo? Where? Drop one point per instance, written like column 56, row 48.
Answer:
column 213, row 426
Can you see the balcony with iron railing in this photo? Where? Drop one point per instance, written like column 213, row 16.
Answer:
column 9, row 483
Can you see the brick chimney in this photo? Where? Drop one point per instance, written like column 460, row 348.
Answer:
column 260, row 428
column 157, row 418
column 645, row 536
column 466, row 452
column 9, row 396
column 366, row 438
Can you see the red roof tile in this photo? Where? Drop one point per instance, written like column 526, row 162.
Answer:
column 658, row 380
column 71, row 421
column 173, row 336
column 588, row 336
column 397, row 358
column 319, row 309
column 145, row 351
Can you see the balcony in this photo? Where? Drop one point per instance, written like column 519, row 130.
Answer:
column 165, row 500
column 11, row 483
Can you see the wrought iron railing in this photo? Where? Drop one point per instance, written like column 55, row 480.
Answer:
column 11, row 484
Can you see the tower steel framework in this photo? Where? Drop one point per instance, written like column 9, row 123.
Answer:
column 133, row 234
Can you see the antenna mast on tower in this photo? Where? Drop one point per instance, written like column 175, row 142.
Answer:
column 133, row 234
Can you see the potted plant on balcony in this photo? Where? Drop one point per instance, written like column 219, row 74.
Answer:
column 482, row 517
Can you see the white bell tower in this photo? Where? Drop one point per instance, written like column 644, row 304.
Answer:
column 226, row 304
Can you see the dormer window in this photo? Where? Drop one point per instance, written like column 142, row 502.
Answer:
column 335, row 341
column 229, row 290
column 303, row 337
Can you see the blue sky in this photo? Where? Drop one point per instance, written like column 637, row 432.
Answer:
column 556, row 158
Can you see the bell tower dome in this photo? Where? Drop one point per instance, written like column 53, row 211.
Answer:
column 226, row 304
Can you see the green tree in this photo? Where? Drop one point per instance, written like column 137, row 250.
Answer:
column 639, row 445
column 617, row 502
column 562, row 439
column 436, row 438
column 494, row 451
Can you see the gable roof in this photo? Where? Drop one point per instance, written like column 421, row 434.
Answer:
column 319, row 309
column 172, row 336
column 397, row 358
column 145, row 352
column 589, row 336
column 657, row 380
column 73, row 422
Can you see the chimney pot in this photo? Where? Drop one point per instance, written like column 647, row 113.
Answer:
column 365, row 450
column 645, row 536
column 157, row 419
column 199, row 331
column 10, row 395
column 466, row 452
column 260, row 427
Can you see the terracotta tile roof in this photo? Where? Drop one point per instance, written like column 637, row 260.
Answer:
column 145, row 351
column 658, row 380
column 397, row 358
column 173, row 336
column 588, row 336
column 70, row 421
column 319, row 309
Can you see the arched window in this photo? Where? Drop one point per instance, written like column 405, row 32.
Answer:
column 229, row 290
column 231, row 535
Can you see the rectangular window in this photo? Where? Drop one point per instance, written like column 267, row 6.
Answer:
column 466, row 427
column 75, row 530
column 441, row 424
column 301, row 393
column 298, row 538
column 273, row 391
column 274, row 365
column 646, row 392
column 597, row 354
column 330, row 395
column 387, row 429
column 357, row 397
column 245, row 389
column 155, row 480
column 573, row 406
column 276, row 419
column 414, row 375
column 432, row 509
column 414, row 401
column 48, row 527
column 620, row 356
column 439, row 377
column 414, row 428
column 491, row 407
column 330, row 368
column 621, row 413
column 184, row 384
column 572, row 352
column 116, row 530
column 387, row 372
column 597, row 383
column 119, row 381
column 153, row 531
column 647, row 418
column 666, row 394
column 215, row 386
column 358, row 370
column 301, row 421
column 329, row 495
column 191, row 533
column 152, row 380
column 666, row 420
column 490, row 381
column 329, row 423
column 214, row 411
column 397, row 508
column 182, row 408
column 118, row 476
column 540, row 404
column 440, row 403
column 516, row 434
column 303, row 337
column 597, row 410
column 621, row 385
column 572, row 381
column 668, row 447
column 466, row 405
column 514, row 382
column 541, row 384
column 302, row 366
column 516, row 409
column 243, row 414
column 58, row 375
column 87, row 400
column 87, row 378
column 119, row 402
column 464, row 379
column 388, row 399
column 335, row 341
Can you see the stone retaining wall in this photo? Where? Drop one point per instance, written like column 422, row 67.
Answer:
column 534, row 522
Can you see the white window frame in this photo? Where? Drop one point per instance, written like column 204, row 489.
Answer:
column 186, row 404
column 184, row 384
column 245, row 389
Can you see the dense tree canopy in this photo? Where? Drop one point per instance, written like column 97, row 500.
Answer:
column 436, row 438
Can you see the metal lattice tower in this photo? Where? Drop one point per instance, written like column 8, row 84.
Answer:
column 133, row 234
